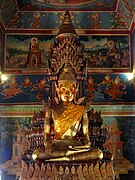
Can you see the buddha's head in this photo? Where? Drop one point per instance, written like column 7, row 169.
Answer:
column 66, row 88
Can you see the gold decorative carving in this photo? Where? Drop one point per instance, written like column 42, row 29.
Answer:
column 91, row 171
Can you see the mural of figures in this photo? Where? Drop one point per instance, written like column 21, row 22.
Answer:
column 11, row 89
column 133, row 49
column 1, row 49
column 34, row 55
column 96, row 21
column 104, row 88
column 91, row 87
column 25, row 89
column 59, row 4
column 114, row 88
column 126, row 128
column 107, row 52
column 65, row 1
column 24, row 52
column 36, row 20
column 13, row 143
column 109, row 88
column 6, row 138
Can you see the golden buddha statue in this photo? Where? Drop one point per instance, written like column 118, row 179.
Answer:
column 69, row 117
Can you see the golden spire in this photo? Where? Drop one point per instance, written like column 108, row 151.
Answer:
column 67, row 26
column 67, row 18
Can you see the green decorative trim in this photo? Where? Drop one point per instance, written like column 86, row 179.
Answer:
column 19, row 110
column 115, row 110
column 27, row 110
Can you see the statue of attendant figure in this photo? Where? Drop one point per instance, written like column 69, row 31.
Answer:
column 68, row 118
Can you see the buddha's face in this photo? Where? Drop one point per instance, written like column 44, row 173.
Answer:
column 66, row 91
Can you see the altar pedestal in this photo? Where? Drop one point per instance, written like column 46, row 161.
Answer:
column 67, row 171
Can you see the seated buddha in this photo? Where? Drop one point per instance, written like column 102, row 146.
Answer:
column 68, row 117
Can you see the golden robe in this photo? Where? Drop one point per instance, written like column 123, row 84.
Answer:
column 67, row 119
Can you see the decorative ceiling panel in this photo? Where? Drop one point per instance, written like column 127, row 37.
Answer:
column 92, row 14
column 52, row 20
column 43, row 5
column 8, row 10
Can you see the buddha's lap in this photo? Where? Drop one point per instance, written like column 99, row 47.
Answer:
column 63, row 144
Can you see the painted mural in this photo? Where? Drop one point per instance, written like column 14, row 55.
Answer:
column 51, row 20
column 104, row 88
column 109, row 88
column 64, row 4
column 1, row 47
column 107, row 51
column 129, row 7
column 133, row 49
column 13, row 142
column 126, row 125
column 45, row 14
column 24, row 52
column 8, row 9
column 25, row 89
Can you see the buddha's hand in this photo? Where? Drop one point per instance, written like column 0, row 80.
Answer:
column 48, row 149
